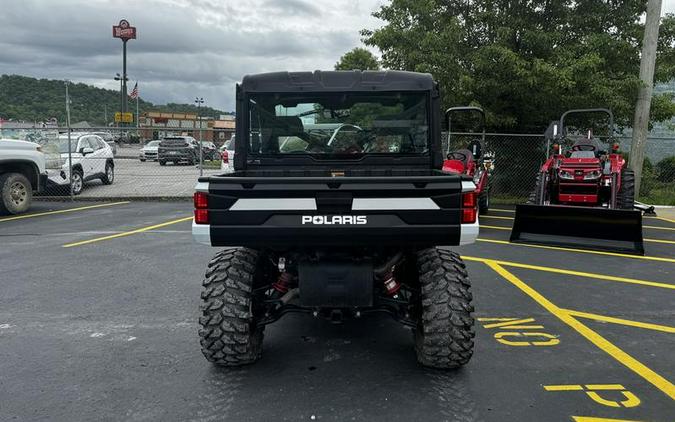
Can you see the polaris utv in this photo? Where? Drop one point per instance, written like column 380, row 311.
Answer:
column 338, row 208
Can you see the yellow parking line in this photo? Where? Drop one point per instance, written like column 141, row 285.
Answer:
column 669, row 242
column 603, row 344
column 670, row 220
column 498, row 217
column 483, row 226
column 621, row 321
column 659, row 228
column 560, row 248
column 39, row 214
column 574, row 273
column 501, row 210
column 129, row 233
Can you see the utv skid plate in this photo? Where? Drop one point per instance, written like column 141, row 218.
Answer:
column 590, row 228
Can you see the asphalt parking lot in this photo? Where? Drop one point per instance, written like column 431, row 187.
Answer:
column 100, row 301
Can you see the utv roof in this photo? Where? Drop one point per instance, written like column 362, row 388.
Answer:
column 340, row 80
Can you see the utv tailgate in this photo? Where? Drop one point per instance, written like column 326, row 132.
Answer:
column 335, row 211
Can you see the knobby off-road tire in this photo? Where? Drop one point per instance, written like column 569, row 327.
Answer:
column 444, row 335
column 228, row 332
column 16, row 193
column 625, row 198
column 536, row 193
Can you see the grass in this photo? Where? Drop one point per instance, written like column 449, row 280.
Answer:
column 661, row 195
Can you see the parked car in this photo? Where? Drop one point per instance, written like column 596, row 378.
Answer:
column 210, row 151
column 176, row 149
column 92, row 159
column 227, row 156
column 109, row 139
column 149, row 151
column 22, row 172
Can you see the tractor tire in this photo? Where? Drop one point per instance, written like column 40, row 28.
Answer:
column 484, row 202
column 535, row 195
column 444, row 334
column 16, row 193
column 625, row 198
column 228, row 332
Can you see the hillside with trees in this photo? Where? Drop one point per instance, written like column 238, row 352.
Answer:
column 29, row 99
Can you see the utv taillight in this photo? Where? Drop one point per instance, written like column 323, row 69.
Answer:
column 202, row 216
column 469, row 211
column 225, row 156
column 201, row 200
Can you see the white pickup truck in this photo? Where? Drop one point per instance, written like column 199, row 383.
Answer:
column 22, row 172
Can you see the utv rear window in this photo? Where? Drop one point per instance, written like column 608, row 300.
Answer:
column 344, row 124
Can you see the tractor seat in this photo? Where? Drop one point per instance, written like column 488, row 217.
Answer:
column 463, row 155
column 586, row 148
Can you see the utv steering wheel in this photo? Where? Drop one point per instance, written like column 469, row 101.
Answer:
column 339, row 128
column 456, row 155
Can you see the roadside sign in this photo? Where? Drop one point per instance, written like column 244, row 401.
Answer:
column 124, row 117
column 124, row 31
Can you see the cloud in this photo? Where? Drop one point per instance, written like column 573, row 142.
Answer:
column 185, row 48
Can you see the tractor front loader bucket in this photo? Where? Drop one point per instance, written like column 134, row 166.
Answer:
column 579, row 227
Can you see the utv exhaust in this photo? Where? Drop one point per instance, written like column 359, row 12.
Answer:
column 601, row 229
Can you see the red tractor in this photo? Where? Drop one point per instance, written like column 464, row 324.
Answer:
column 470, row 160
column 584, row 190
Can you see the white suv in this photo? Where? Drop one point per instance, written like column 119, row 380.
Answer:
column 92, row 159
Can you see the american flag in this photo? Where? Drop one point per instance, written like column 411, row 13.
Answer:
column 134, row 92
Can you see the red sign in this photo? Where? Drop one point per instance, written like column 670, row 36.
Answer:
column 124, row 31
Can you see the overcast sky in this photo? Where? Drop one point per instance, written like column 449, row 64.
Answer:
column 185, row 48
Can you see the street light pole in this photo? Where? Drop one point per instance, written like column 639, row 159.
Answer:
column 199, row 101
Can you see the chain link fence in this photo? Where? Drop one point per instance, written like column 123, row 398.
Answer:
column 517, row 159
column 139, row 172
column 129, row 166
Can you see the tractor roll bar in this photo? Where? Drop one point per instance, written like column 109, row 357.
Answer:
column 588, row 110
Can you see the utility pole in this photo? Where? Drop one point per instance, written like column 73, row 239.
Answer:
column 644, row 98
column 70, row 147
column 199, row 101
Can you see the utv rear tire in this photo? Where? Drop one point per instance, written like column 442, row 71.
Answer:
column 162, row 162
column 228, row 332
column 444, row 334
column 625, row 198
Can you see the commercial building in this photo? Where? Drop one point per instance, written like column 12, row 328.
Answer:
column 157, row 124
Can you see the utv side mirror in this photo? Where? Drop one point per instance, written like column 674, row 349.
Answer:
column 476, row 149
column 86, row 150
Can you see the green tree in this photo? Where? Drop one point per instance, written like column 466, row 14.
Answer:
column 358, row 59
column 526, row 62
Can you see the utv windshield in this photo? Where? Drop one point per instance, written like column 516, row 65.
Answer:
column 344, row 125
